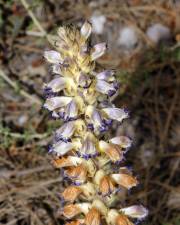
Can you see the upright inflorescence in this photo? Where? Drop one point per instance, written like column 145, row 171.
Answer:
column 88, row 158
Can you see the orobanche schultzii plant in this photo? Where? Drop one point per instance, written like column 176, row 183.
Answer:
column 89, row 158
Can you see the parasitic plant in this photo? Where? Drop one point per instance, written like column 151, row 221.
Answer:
column 82, row 148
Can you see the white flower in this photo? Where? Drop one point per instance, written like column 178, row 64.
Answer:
column 71, row 111
column 75, row 160
column 106, row 75
column 56, row 84
column 105, row 87
column 99, row 50
column 86, row 30
column 65, row 131
column 61, row 147
column 53, row 57
column 123, row 141
column 116, row 113
column 135, row 211
column 88, row 148
column 56, row 102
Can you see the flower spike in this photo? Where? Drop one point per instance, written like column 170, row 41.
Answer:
column 81, row 99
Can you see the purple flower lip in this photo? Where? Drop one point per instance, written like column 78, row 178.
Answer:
column 48, row 93
column 108, row 122
column 118, row 162
column 60, row 138
column 103, row 129
column 69, row 118
column 77, row 183
column 105, row 125
column 111, row 93
column 62, row 115
column 89, row 156
column 116, row 85
column 90, row 126
column 78, row 154
column 50, row 149
column 126, row 110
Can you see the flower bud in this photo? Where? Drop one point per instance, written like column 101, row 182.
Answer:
column 99, row 50
column 86, row 30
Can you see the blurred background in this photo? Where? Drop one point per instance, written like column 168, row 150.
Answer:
column 143, row 39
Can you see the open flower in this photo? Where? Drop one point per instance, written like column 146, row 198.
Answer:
column 114, row 152
column 65, row 132
column 99, row 50
column 122, row 141
column 77, row 174
column 96, row 120
column 121, row 217
column 106, row 75
column 106, row 186
column 125, row 180
column 61, row 148
column 88, row 149
column 104, row 182
column 53, row 57
column 116, row 113
column 135, row 211
column 56, row 102
column 106, row 88
column 54, row 86
column 68, row 129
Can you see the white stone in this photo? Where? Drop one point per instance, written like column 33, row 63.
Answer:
column 158, row 32
column 98, row 21
column 128, row 37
